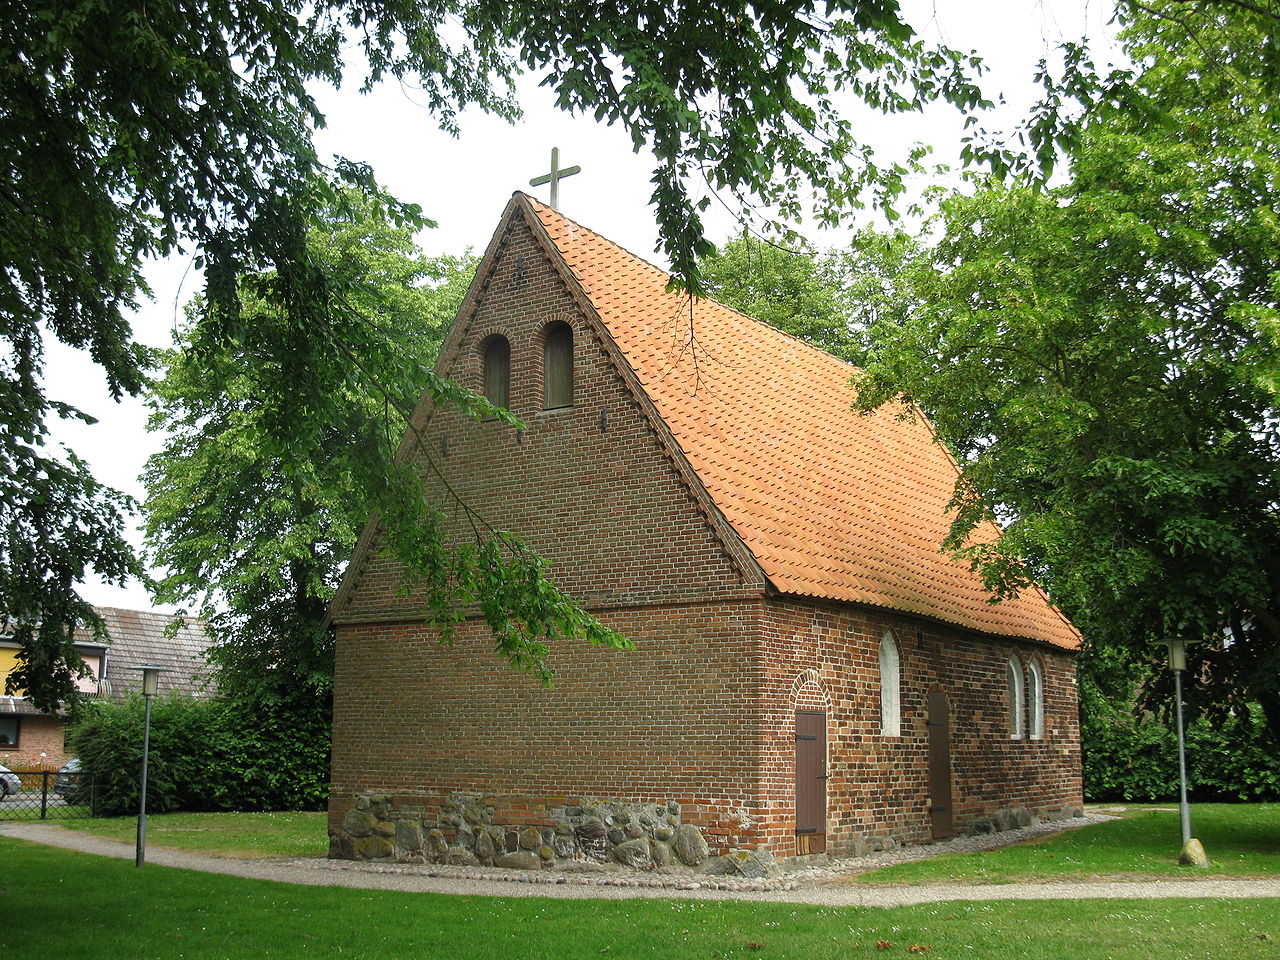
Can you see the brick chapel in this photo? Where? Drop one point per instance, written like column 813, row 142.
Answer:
column 811, row 673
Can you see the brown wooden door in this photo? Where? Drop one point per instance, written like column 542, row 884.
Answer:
column 811, row 781
column 939, row 767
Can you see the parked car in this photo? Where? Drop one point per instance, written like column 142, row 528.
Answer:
column 71, row 784
column 9, row 782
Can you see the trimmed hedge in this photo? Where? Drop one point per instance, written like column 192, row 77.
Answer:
column 1133, row 756
column 206, row 755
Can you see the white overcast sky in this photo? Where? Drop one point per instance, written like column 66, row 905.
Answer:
column 464, row 183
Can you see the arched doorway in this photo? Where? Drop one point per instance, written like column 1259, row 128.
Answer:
column 811, row 781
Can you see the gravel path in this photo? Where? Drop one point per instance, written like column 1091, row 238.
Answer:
column 812, row 885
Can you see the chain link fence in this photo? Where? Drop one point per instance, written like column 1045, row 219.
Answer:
column 47, row 795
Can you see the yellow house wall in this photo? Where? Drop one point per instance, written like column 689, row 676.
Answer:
column 9, row 660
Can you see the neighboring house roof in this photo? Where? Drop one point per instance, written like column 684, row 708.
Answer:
column 138, row 638
column 141, row 637
column 18, row 705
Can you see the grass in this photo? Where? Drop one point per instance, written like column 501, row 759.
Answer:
column 1242, row 840
column 55, row 903
column 220, row 834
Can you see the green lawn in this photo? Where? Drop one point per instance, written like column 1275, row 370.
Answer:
column 221, row 834
column 1242, row 840
column 55, row 903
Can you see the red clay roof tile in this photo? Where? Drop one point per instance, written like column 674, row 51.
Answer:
column 832, row 504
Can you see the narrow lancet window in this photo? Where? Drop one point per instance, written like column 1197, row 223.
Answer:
column 1035, row 701
column 890, row 688
column 497, row 371
column 557, row 366
column 1016, row 698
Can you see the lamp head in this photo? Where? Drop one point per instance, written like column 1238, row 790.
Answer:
column 150, row 680
column 1177, row 652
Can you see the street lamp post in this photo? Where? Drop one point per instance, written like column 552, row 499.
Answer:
column 150, row 686
column 1192, row 849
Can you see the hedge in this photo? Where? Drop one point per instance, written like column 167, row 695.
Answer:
column 1131, row 755
column 206, row 755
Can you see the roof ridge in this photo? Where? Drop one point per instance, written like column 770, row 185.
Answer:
column 101, row 609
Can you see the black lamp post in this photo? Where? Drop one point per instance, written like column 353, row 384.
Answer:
column 150, row 687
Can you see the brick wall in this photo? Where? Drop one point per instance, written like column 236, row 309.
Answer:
column 37, row 735
column 826, row 657
column 675, row 719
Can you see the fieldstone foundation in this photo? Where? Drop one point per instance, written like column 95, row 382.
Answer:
column 461, row 830
column 466, row 829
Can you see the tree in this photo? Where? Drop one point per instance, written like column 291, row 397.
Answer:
column 133, row 130
column 256, row 539
column 1103, row 358
column 828, row 298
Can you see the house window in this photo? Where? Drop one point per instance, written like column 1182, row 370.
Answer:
column 890, row 686
column 1035, row 701
column 9, row 727
column 1016, row 698
column 497, row 371
column 557, row 366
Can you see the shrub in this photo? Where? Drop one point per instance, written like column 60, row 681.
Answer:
column 206, row 755
column 1132, row 755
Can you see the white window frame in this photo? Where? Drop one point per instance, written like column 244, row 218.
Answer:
column 1016, row 684
column 1035, row 701
column 890, row 687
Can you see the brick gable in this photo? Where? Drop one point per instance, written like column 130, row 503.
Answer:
column 593, row 488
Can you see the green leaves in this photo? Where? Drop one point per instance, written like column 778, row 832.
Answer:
column 738, row 98
column 280, row 422
column 829, row 299
column 214, row 754
column 1100, row 357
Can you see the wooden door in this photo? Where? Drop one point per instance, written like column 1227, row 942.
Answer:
column 939, row 767
column 811, row 781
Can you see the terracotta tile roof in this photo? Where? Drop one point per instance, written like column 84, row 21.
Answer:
column 831, row 504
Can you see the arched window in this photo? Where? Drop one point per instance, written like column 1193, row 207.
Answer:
column 1016, row 698
column 497, row 370
column 1035, row 701
column 890, row 687
column 557, row 366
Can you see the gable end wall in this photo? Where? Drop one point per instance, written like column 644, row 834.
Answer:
column 594, row 490
column 591, row 488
